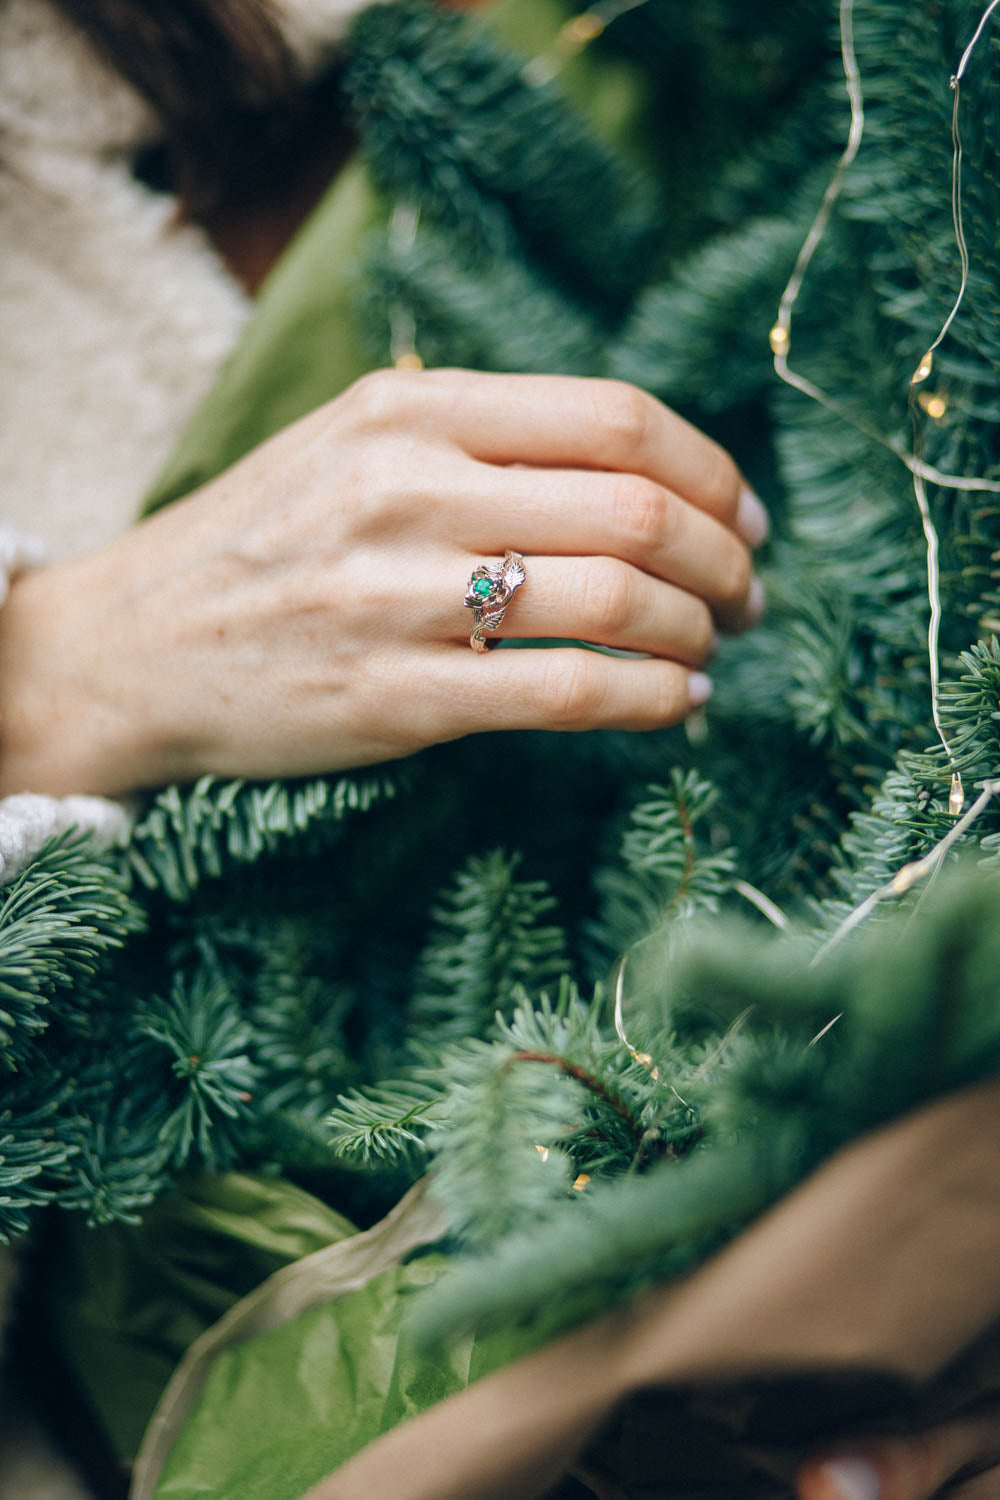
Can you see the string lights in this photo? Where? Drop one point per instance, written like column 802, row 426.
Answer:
column 573, row 37
column 935, row 405
column 909, row 875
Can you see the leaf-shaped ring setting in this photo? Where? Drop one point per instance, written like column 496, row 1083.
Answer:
column 489, row 592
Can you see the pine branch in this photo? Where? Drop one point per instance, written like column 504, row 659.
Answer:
column 59, row 921
column 667, row 872
column 488, row 942
column 916, row 1022
column 30, row 1152
column 197, row 1046
column 388, row 1122
column 452, row 126
column 187, row 837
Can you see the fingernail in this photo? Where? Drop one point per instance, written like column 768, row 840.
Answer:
column 752, row 521
column 850, row 1479
column 699, row 689
column 756, row 601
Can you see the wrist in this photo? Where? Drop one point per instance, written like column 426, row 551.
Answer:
column 63, row 728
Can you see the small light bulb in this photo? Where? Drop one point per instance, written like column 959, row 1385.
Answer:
column 543, row 1152
column 935, row 406
column 924, row 368
column 779, row 339
column 907, row 876
column 956, row 797
column 583, row 28
column 581, row 1182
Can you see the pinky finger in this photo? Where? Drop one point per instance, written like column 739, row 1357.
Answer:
column 567, row 688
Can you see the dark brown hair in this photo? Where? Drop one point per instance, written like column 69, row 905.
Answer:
column 221, row 80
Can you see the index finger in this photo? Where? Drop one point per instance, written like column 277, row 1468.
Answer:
column 578, row 422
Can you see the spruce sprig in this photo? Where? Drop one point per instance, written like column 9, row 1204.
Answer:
column 197, row 1051
column 489, row 940
column 60, row 919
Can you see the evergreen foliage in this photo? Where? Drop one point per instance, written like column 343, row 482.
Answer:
column 515, row 169
column 765, row 1105
column 205, row 995
column 58, row 921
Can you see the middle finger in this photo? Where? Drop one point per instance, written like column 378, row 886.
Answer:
column 597, row 599
column 578, row 513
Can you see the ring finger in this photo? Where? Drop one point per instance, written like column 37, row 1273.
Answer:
column 625, row 516
column 598, row 599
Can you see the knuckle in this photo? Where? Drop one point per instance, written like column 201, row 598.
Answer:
column 667, row 700
column 735, row 574
column 720, row 481
column 608, row 603
column 573, row 694
column 625, row 412
column 643, row 513
column 377, row 398
column 703, row 634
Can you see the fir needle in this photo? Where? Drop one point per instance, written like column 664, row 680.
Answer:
column 828, row 1027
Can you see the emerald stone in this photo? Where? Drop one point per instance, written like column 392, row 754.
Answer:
column 482, row 587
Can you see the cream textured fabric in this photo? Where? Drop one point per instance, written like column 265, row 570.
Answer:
column 114, row 321
column 19, row 550
column 28, row 819
column 314, row 27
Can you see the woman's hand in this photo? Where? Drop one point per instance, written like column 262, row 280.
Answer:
column 304, row 611
column 959, row 1459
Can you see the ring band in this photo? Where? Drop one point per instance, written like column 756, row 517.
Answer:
column 489, row 592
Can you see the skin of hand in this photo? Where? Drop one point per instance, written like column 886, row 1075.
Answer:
column 959, row 1460
column 304, row 612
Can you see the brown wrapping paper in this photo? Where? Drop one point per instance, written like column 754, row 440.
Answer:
column 869, row 1294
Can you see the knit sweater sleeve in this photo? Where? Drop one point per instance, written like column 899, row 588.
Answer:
column 29, row 819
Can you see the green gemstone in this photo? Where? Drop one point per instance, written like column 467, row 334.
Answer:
column 482, row 587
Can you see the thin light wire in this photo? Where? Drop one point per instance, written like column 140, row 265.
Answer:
column 934, row 622
column 781, row 331
column 907, row 877
column 402, row 234
column 781, row 342
column 919, row 490
column 764, row 904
